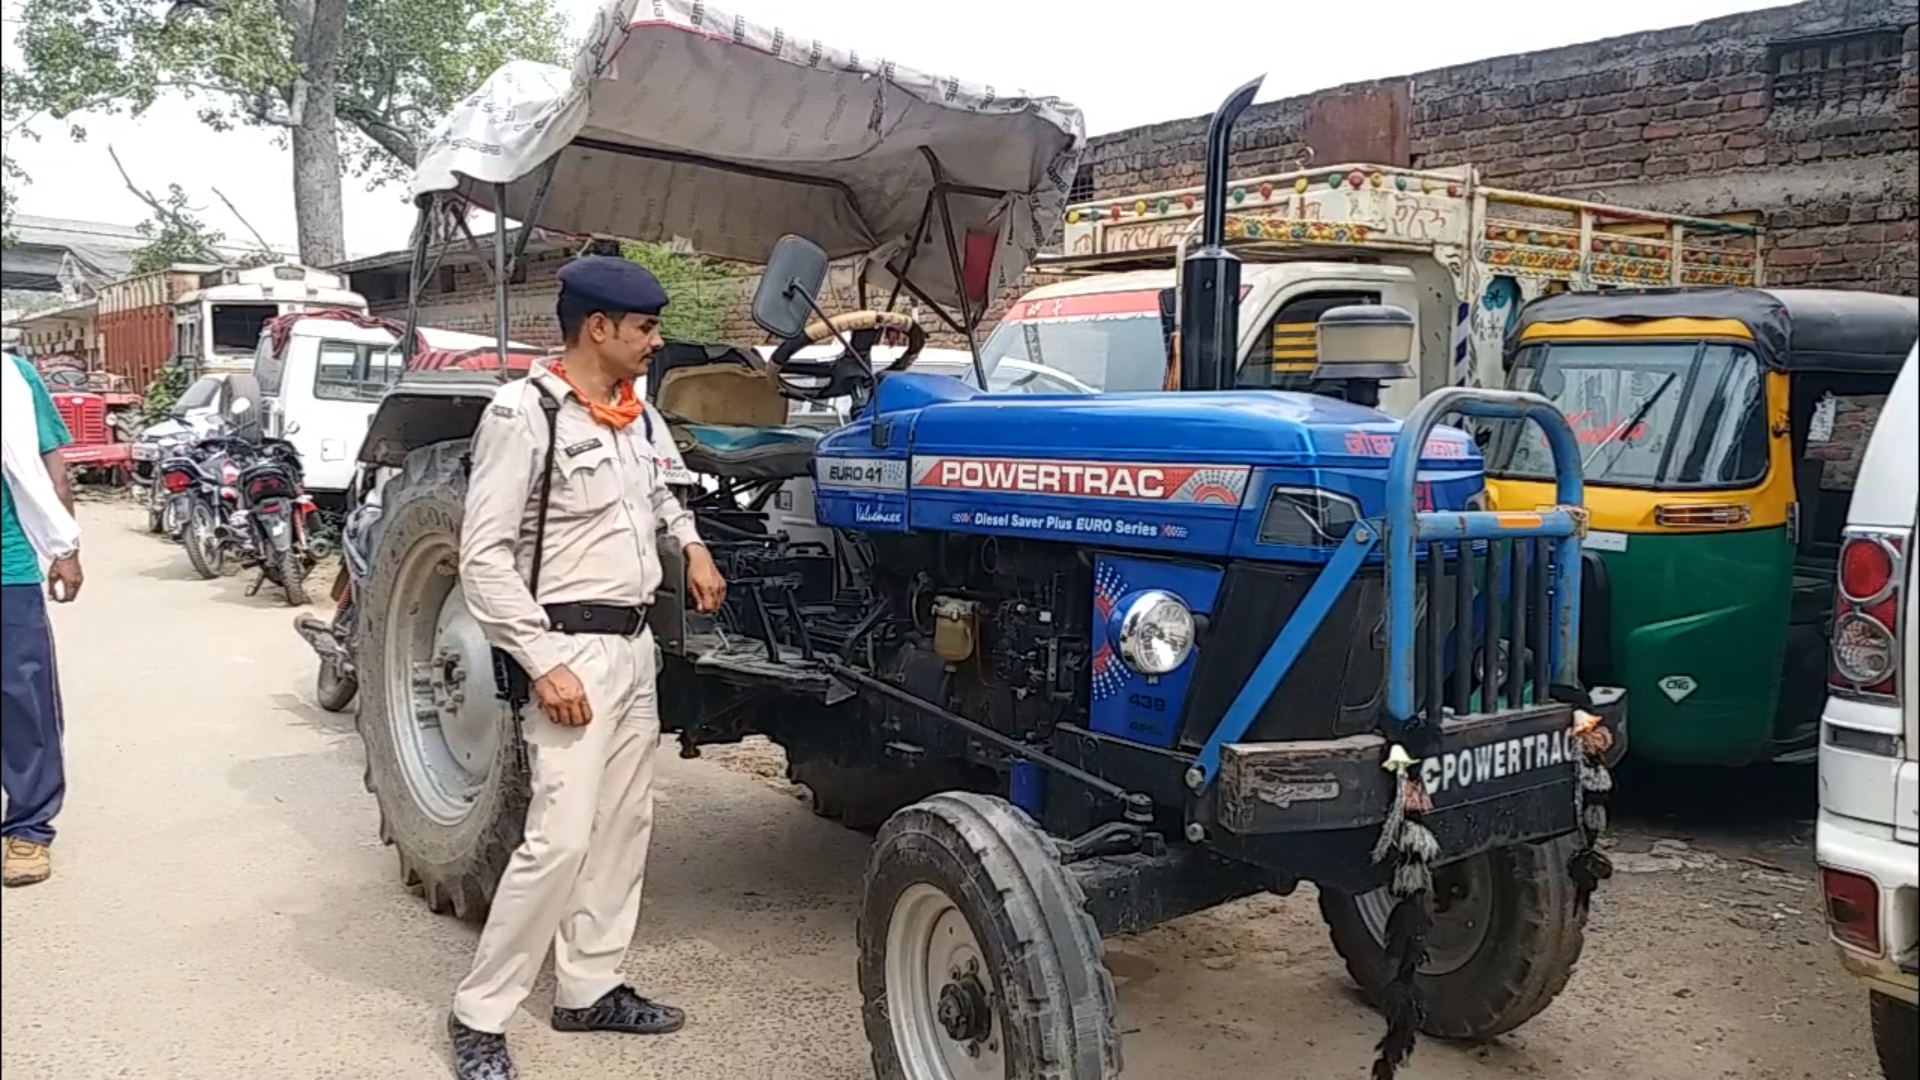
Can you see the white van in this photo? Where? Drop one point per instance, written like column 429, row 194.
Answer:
column 321, row 387
column 1868, row 838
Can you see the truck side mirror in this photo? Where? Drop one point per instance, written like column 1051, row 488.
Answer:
column 790, row 286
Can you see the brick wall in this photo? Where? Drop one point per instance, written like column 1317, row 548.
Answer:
column 1808, row 115
column 462, row 299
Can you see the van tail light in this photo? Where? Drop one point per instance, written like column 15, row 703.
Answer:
column 1853, row 909
column 1702, row 515
column 1864, row 661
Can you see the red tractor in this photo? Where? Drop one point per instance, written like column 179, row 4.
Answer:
column 96, row 409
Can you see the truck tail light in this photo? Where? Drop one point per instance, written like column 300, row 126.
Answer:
column 1853, row 909
column 1702, row 515
column 1867, row 606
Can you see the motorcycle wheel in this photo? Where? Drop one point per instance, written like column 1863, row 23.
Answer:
column 204, row 550
column 293, row 577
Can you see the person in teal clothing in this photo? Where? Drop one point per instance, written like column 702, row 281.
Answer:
column 31, row 764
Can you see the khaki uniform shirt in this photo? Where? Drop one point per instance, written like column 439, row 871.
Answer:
column 610, row 500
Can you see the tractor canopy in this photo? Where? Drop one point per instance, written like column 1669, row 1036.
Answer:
column 681, row 122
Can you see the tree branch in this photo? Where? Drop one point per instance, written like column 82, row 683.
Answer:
column 160, row 209
column 265, row 248
column 385, row 134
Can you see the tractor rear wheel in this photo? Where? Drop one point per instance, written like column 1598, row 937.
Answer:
column 1506, row 936
column 977, row 956
column 443, row 754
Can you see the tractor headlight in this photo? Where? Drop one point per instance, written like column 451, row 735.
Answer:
column 1156, row 632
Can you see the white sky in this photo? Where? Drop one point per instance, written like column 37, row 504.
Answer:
column 1128, row 66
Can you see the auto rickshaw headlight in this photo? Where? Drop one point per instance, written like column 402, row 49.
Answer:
column 1863, row 650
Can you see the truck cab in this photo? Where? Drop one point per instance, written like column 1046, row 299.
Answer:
column 217, row 327
column 322, row 375
column 1106, row 331
column 1464, row 255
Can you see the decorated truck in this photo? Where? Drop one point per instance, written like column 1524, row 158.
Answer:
column 1463, row 255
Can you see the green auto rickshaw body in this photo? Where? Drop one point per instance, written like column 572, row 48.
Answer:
column 1719, row 428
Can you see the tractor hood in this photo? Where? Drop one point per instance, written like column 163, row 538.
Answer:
column 1186, row 472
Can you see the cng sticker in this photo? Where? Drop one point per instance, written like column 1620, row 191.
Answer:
column 1678, row 688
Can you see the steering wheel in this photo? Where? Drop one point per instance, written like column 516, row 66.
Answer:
column 848, row 325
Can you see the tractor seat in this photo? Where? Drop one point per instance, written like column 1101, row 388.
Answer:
column 729, row 420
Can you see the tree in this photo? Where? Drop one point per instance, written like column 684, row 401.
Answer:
column 175, row 234
column 701, row 291
column 350, row 84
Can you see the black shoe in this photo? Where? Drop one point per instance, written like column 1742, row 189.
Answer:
column 622, row 1010
column 479, row 1055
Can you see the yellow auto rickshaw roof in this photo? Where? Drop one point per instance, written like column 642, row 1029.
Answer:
column 1830, row 330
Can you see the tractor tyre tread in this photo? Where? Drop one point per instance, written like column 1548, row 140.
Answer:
column 454, row 868
column 1041, row 939
column 1515, row 975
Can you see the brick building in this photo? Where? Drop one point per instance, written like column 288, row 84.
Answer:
column 1806, row 117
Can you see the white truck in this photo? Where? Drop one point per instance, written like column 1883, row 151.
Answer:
column 217, row 327
column 321, row 377
column 1460, row 254
column 1868, row 836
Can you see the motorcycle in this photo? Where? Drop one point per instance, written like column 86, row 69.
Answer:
column 274, row 511
column 338, row 682
column 203, row 496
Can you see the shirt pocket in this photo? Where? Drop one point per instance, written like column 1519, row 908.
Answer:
column 590, row 481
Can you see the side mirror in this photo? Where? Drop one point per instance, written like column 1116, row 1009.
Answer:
column 796, row 270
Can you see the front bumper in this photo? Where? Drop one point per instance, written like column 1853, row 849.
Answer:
column 1498, row 779
column 1871, row 850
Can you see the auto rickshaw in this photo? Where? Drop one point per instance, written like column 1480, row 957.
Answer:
column 1720, row 432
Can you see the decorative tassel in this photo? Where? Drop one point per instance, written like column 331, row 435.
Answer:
column 1590, row 866
column 1406, row 839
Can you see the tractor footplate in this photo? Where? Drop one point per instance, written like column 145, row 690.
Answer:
column 1498, row 778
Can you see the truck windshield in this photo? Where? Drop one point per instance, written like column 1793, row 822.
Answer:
column 236, row 327
column 1655, row 414
column 1108, row 341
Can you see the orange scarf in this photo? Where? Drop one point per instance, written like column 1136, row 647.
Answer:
column 626, row 407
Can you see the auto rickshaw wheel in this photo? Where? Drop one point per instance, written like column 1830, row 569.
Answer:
column 977, row 956
column 444, row 761
column 1506, row 935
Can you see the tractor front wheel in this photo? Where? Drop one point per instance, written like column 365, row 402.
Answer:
column 977, row 956
column 1506, row 935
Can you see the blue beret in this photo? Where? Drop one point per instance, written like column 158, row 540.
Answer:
column 613, row 283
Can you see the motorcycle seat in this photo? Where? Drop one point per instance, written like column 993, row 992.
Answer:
column 738, row 452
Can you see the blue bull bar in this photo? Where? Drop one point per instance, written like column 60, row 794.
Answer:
column 1513, row 548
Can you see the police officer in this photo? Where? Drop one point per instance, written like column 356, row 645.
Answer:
column 593, row 725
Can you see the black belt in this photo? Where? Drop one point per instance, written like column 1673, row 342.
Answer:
column 596, row 619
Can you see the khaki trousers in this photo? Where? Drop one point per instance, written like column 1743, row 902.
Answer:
column 574, row 882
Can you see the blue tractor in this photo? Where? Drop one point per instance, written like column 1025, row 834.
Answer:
column 1081, row 663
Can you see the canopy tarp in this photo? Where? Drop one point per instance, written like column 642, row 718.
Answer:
column 682, row 122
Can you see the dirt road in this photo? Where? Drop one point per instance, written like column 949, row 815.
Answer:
column 221, row 908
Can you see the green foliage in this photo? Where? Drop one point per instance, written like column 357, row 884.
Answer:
column 176, row 235
column 402, row 64
column 701, row 290
column 162, row 392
